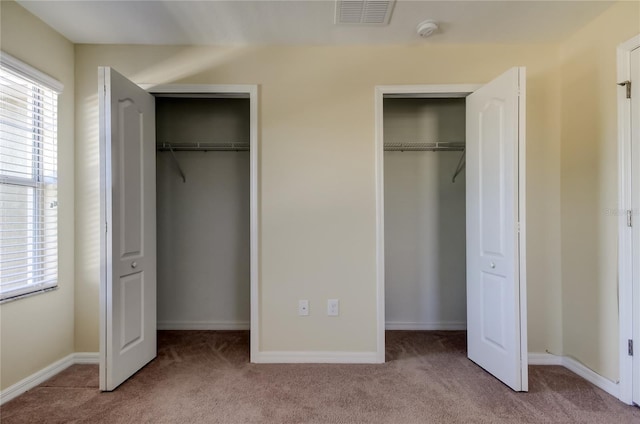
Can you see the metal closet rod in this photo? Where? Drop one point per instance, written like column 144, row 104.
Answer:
column 203, row 147
column 198, row 147
column 424, row 147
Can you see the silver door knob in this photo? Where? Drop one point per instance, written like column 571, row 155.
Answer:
column 134, row 264
column 492, row 265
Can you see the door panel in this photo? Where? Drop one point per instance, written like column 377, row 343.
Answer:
column 493, row 293
column 496, row 314
column 491, row 196
column 130, row 202
column 131, row 315
column 128, row 298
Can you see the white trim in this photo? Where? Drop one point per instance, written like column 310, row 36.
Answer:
column 255, row 228
column 275, row 357
column 591, row 376
column 40, row 77
column 104, row 101
column 625, row 256
column 35, row 379
column 522, row 226
column 440, row 90
column 46, row 373
column 87, row 358
column 544, row 359
column 204, row 325
column 249, row 89
column 320, row 357
column 429, row 326
column 428, row 91
column 577, row 368
column 379, row 175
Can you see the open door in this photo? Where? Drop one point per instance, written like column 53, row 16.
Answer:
column 128, row 241
column 496, row 291
column 634, row 115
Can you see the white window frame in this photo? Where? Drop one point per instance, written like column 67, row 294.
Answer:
column 36, row 77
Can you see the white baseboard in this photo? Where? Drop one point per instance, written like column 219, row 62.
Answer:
column 204, row 325
column 431, row 326
column 36, row 378
column 320, row 357
column 46, row 373
column 577, row 368
column 544, row 359
column 283, row 357
column 86, row 358
column 591, row 376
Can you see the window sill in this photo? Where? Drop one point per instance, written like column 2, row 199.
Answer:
column 33, row 293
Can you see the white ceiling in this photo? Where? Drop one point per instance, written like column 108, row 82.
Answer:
column 309, row 22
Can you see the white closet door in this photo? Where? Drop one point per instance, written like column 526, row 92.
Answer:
column 128, row 297
column 635, row 199
column 496, row 307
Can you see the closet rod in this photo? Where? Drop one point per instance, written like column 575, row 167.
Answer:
column 203, row 147
column 424, row 147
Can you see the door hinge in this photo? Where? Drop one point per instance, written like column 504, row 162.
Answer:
column 106, row 227
column 626, row 84
column 629, row 218
column 630, row 347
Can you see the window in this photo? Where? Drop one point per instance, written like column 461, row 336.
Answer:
column 28, row 179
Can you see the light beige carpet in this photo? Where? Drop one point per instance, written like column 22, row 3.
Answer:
column 206, row 377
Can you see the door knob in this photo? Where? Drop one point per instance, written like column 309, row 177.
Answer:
column 492, row 265
column 134, row 264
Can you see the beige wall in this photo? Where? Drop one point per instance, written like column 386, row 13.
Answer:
column 317, row 182
column 589, row 187
column 38, row 330
column 317, row 185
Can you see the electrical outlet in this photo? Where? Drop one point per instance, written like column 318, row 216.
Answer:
column 333, row 307
column 303, row 307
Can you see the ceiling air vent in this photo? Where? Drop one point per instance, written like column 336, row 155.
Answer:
column 364, row 12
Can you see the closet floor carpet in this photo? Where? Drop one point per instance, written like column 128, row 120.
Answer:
column 206, row 377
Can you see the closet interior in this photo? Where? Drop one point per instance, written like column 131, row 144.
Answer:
column 424, row 213
column 203, row 211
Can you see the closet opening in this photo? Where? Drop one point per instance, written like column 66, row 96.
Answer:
column 204, row 208
column 431, row 247
column 424, row 221
column 179, row 202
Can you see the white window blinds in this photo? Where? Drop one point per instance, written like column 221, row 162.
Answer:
column 28, row 179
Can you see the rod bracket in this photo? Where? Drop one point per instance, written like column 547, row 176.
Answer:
column 626, row 84
column 175, row 160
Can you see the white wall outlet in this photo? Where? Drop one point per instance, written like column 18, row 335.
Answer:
column 333, row 307
column 303, row 307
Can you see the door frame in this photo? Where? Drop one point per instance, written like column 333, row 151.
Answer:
column 228, row 90
column 418, row 91
column 625, row 237
column 430, row 91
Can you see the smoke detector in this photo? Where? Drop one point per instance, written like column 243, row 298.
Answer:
column 426, row 28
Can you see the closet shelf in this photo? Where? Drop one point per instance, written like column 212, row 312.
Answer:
column 428, row 147
column 203, row 147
